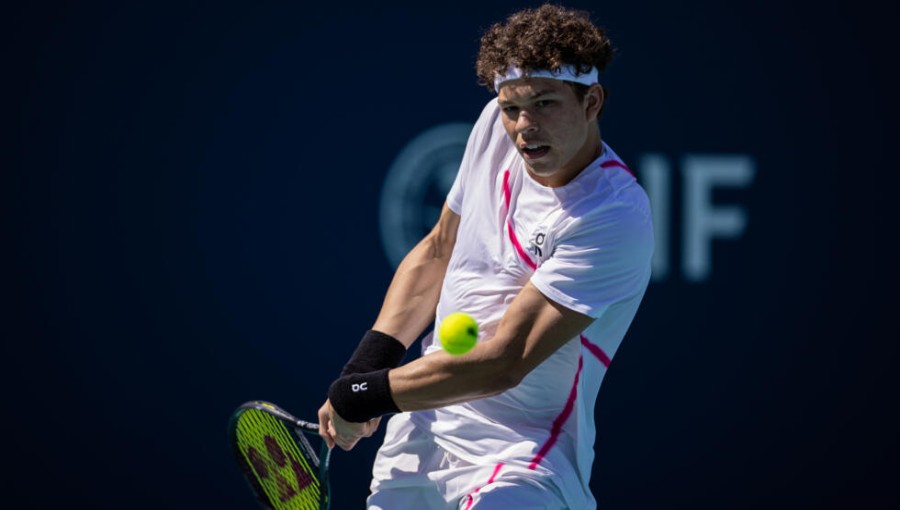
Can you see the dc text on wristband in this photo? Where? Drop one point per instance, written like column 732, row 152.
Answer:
column 360, row 397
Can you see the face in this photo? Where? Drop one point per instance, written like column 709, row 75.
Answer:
column 555, row 132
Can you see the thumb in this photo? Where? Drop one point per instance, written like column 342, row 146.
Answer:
column 326, row 429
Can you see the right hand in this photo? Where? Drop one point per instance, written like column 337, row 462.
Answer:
column 338, row 431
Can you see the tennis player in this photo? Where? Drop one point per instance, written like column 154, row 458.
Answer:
column 546, row 240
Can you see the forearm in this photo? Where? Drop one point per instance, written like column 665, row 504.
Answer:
column 440, row 379
column 532, row 329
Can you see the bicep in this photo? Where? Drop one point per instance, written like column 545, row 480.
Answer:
column 534, row 327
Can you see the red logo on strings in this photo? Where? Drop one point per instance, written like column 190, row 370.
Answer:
column 264, row 464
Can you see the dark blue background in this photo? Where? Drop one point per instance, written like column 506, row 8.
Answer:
column 190, row 197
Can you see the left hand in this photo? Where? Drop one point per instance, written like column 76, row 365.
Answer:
column 336, row 430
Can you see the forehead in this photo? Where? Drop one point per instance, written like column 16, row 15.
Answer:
column 528, row 88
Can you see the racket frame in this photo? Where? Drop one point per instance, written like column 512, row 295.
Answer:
column 300, row 429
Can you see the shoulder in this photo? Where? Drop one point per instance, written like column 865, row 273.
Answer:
column 486, row 149
column 488, row 144
column 488, row 128
column 627, row 201
column 490, row 113
column 614, row 212
column 610, row 194
column 602, row 253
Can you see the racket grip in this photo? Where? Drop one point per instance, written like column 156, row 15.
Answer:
column 305, row 425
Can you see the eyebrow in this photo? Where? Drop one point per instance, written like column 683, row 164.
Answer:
column 532, row 97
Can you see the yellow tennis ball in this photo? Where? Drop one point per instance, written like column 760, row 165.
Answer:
column 458, row 333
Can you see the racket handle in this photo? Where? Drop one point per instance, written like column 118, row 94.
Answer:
column 308, row 426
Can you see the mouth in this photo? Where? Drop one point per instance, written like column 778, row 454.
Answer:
column 535, row 151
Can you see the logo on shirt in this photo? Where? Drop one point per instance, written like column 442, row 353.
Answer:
column 416, row 187
column 537, row 242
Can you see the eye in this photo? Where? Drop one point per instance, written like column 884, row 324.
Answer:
column 542, row 103
column 510, row 111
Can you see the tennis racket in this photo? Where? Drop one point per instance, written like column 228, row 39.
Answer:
column 277, row 458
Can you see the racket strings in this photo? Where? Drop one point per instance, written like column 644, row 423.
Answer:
column 282, row 468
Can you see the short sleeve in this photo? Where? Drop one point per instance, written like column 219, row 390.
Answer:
column 599, row 261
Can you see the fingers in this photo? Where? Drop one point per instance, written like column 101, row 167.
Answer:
column 326, row 427
column 346, row 438
column 346, row 443
column 348, row 434
column 335, row 431
column 372, row 426
column 356, row 431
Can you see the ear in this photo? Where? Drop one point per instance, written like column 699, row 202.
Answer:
column 593, row 101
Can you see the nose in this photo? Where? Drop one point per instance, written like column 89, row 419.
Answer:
column 525, row 124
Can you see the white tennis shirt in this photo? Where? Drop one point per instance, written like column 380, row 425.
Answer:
column 587, row 246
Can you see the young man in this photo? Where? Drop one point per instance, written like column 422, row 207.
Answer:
column 546, row 240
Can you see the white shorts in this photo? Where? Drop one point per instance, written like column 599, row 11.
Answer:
column 412, row 472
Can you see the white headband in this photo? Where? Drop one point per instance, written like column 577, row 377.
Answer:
column 565, row 73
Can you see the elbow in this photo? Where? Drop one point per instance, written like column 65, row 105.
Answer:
column 504, row 374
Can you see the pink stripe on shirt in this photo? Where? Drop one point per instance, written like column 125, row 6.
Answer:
column 611, row 163
column 511, row 229
column 506, row 191
column 566, row 412
column 596, row 351
column 560, row 420
column 470, row 497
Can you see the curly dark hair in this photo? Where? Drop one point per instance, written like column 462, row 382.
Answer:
column 543, row 38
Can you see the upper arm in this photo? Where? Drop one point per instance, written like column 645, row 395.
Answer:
column 532, row 329
column 442, row 238
column 413, row 294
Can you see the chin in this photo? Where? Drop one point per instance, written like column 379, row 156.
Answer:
column 543, row 169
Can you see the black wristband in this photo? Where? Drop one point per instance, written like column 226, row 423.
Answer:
column 361, row 397
column 375, row 351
